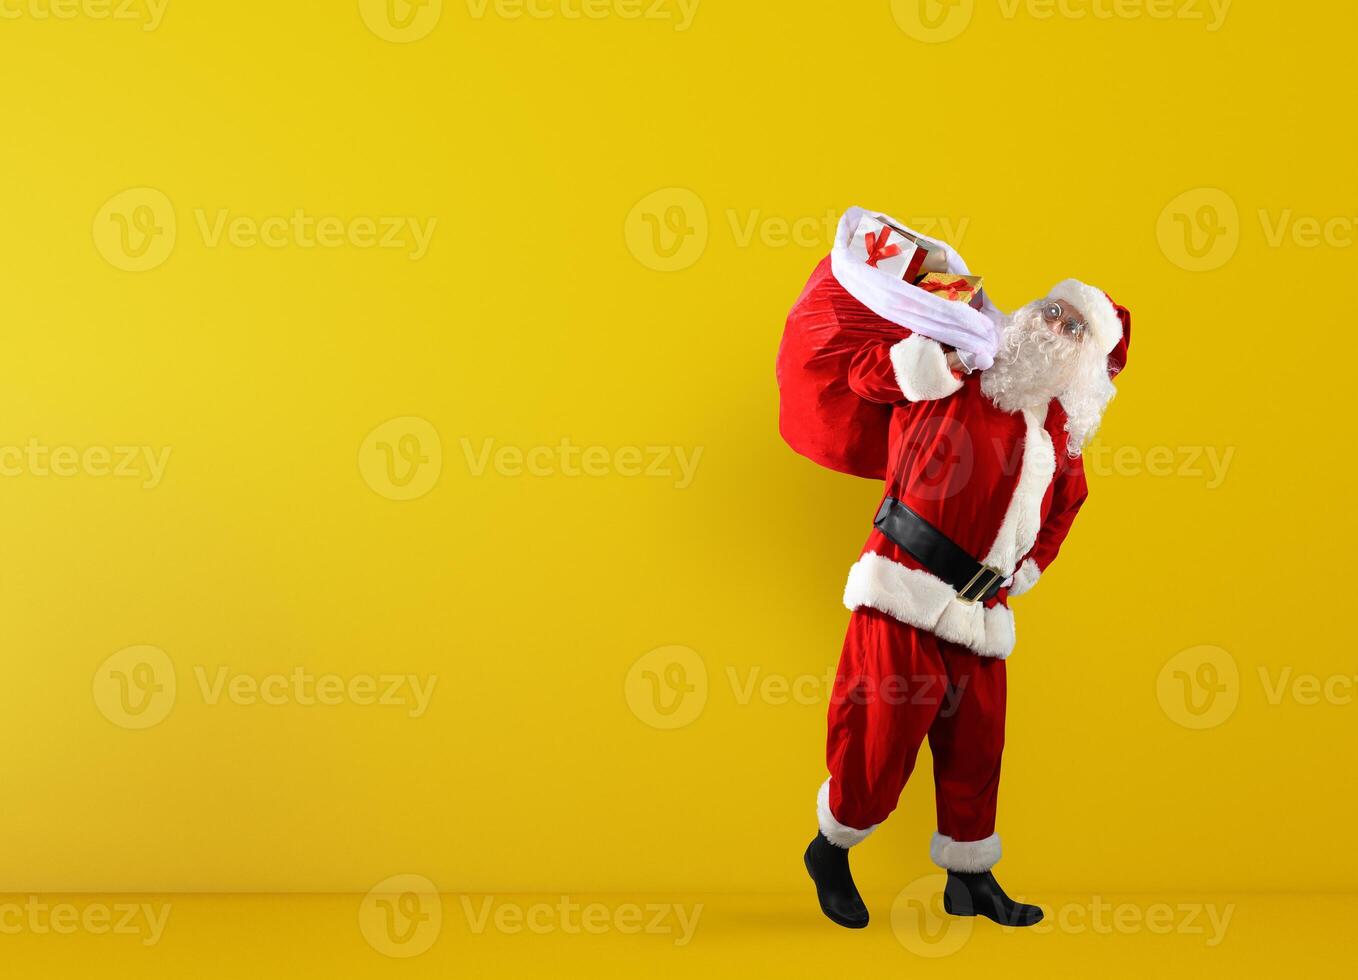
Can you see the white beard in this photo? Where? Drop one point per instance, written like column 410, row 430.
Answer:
column 1035, row 365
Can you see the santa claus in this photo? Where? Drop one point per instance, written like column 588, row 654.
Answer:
column 983, row 481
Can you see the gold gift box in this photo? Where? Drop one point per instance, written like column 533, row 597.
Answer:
column 950, row 286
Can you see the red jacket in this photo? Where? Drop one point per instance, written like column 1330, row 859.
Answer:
column 1000, row 485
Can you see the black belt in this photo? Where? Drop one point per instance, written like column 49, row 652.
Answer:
column 937, row 552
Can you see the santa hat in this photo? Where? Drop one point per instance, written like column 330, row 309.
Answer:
column 1109, row 324
column 1117, row 360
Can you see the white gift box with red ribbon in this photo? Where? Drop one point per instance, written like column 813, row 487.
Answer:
column 882, row 245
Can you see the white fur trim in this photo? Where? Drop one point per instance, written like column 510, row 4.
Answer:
column 1023, row 516
column 1026, row 577
column 835, row 832
column 965, row 855
column 922, row 369
column 920, row 599
column 1099, row 313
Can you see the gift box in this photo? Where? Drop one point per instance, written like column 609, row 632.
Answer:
column 950, row 286
column 890, row 248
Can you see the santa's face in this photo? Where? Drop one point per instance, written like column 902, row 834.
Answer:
column 1064, row 320
column 1046, row 353
column 1037, row 359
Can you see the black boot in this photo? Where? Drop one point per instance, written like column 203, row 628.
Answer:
column 980, row 894
column 828, row 866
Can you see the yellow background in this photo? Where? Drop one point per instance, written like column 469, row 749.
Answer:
column 1049, row 146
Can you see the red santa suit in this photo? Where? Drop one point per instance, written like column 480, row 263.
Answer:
column 918, row 660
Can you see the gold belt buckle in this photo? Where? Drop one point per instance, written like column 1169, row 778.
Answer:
column 986, row 572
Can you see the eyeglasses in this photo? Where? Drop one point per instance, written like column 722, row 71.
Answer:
column 1069, row 324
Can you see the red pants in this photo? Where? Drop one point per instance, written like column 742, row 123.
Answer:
column 895, row 685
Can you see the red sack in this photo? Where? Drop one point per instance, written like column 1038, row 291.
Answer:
column 819, row 415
